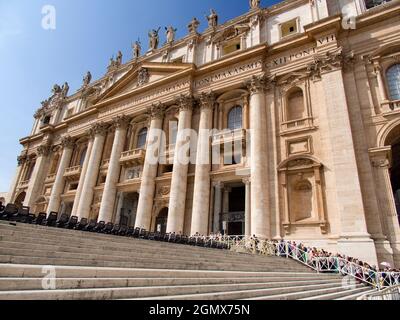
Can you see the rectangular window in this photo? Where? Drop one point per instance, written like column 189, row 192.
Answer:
column 290, row 27
column 231, row 47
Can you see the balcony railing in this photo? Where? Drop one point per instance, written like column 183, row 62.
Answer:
column 229, row 136
column 297, row 124
column 73, row 173
column 390, row 106
column 370, row 4
column 50, row 178
column 169, row 153
column 105, row 164
column 133, row 157
column 23, row 184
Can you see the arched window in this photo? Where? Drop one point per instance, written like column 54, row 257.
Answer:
column 141, row 139
column 173, row 131
column 235, row 118
column 82, row 157
column 295, row 105
column 393, row 80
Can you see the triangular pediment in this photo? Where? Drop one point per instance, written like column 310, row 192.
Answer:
column 142, row 76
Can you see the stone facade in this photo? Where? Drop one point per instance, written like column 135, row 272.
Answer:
column 305, row 125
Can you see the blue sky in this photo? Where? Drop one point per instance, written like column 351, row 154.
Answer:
column 87, row 34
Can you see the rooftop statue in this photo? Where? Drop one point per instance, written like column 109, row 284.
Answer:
column 254, row 4
column 193, row 25
column 119, row 58
column 87, row 79
column 212, row 19
column 170, row 33
column 137, row 48
column 154, row 39
column 65, row 89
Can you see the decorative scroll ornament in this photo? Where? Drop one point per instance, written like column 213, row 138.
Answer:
column 383, row 163
column 67, row 142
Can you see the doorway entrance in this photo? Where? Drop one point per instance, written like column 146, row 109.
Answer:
column 233, row 216
column 161, row 221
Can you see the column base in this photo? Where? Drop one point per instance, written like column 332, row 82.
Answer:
column 361, row 247
column 396, row 254
column 384, row 251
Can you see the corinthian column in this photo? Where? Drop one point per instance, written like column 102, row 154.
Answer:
column 83, row 174
column 17, row 178
column 201, row 195
column 177, row 200
column 114, row 169
column 99, row 130
column 58, row 186
column 354, row 239
column 147, row 187
column 38, row 175
column 260, row 215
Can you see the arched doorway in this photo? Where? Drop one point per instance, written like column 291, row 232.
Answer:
column 19, row 201
column 161, row 221
column 395, row 175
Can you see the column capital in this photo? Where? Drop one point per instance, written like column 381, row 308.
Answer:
column 207, row 100
column 331, row 61
column 120, row 122
column 246, row 181
column 99, row 129
column 67, row 142
column 157, row 111
column 43, row 150
column 21, row 159
column 185, row 102
column 260, row 84
column 218, row 184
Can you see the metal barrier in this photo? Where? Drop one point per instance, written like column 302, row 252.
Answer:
column 391, row 293
column 245, row 244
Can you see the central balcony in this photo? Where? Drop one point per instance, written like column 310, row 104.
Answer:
column 133, row 157
column 73, row 173
column 229, row 136
column 391, row 106
column 50, row 178
column 23, row 184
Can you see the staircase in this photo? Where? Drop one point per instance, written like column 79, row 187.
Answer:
column 102, row 267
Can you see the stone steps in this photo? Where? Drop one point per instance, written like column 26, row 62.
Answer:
column 35, row 271
column 237, row 291
column 41, row 235
column 11, row 284
column 91, row 266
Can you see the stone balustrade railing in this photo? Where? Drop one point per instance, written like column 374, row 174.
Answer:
column 23, row 184
column 228, row 136
column 133, row 157
column 51, row 178
column 296, row 124
column 390, row 106
column 73, row 172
